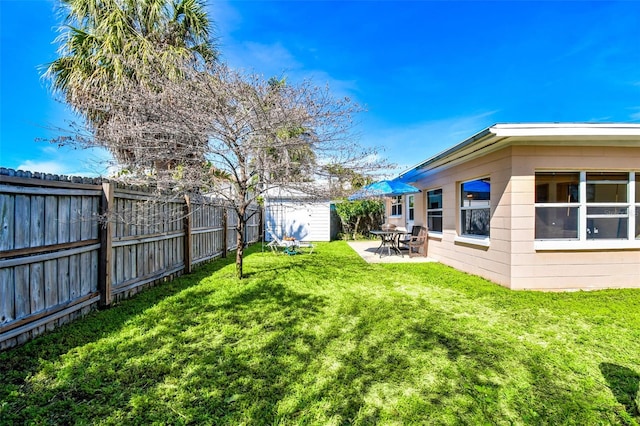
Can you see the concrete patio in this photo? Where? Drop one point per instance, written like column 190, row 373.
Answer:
column 367, row 251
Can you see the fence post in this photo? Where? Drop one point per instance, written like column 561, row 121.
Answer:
column 188, row 254
column 260, row 224
column 106, row 240
column 224, row 231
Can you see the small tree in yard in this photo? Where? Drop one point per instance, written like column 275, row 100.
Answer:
column 353, row 213
column 232, row 135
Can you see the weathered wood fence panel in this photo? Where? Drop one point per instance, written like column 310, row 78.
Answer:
column 49, row 253
column 68, row 243
column 207, row 231
column 253, row 231
column 147, row 239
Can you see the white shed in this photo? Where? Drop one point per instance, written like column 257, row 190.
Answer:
column 294, row 214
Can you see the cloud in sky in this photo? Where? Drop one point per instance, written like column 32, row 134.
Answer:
column 417, row 142
column 64, row 167
column 268, row 59
column 428, row 75
column 69, row 162
column 52, row 167
column 277, row 60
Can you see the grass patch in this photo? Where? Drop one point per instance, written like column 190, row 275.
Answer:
column 327, row 339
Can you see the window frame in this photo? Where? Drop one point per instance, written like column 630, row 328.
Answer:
column 429, row 211
column 411, row 207
column 583, row 242
column 569, row 204
column 396, row 202
column 474, row 239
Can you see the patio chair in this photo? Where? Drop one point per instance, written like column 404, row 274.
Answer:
column 419, row 242
column 415, row 231
column 276, row 243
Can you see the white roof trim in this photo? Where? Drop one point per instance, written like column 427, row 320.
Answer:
column 495, row 136
column 565, row 129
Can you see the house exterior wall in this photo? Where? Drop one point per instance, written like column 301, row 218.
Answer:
column 566, row 269
column 418, row 206
column 492, row 262
column 511, row 258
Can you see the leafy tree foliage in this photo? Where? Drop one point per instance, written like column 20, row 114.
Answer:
column 353, row 214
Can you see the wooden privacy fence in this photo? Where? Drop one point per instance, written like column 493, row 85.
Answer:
column 67, row 244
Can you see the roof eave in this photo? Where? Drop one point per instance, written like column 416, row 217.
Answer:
column 499, row 135
column 450, row 152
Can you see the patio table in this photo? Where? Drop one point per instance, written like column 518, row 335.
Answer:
column 389, row 239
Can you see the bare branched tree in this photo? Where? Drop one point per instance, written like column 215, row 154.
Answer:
column 233, row 136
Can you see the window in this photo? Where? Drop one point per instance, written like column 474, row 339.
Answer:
column 585, row 206
column 410, row 203
column 396, row 206
column 557, row 205
column 434, row 210
column 475, row 207
column 607, row 206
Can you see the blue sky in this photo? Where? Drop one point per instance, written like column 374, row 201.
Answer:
column 430, row 73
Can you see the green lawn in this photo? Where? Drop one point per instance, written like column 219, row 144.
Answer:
column 327, row 339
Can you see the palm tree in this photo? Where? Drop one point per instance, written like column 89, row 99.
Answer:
column 109, row 45
column 100, row 38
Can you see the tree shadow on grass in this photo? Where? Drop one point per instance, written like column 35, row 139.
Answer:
column 624, row 384
column 194, row 356
column 19, row 364
column 270, row 351
column 495, row 380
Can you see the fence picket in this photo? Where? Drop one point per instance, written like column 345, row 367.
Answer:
column 75, row 219
column 7, row 221
column 95, row 210
column 85, row 218
column 21, row 228
column 22, row 303
column 50, row 284
column 64, row 225
column 74, row 276
column 126, row 263
column 50, row 220
column 85, row 273
column 7, row 312
column 64, row 289
column 94, row 271
column 36, row 284
column 36, row 222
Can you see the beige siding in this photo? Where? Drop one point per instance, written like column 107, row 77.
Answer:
column 566, row 270
column 420, row 208
column 492, row 262
column 511, row 259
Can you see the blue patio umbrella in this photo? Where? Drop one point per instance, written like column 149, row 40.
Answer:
column 384, row 188
column 476, row 186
